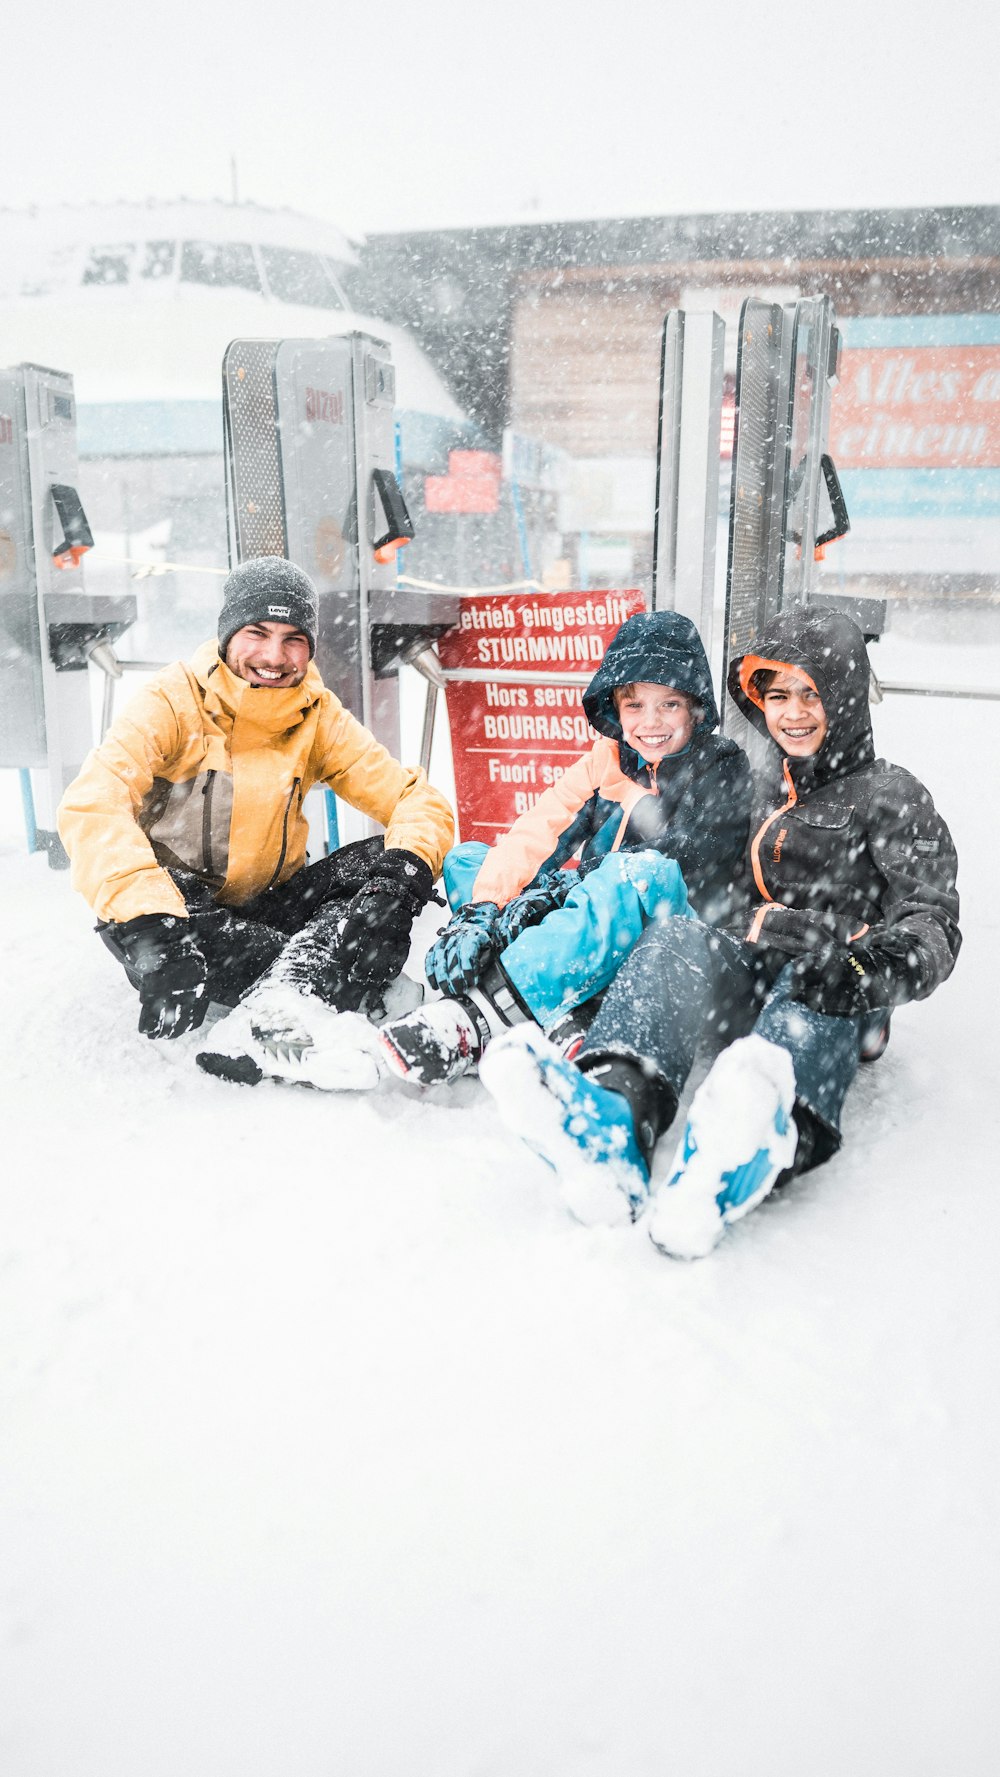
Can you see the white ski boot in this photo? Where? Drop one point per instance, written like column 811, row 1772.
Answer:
column 278, row 1032
column 740, row 1135
column 445, row 1039
column 439, row 1042
column 584, row 1132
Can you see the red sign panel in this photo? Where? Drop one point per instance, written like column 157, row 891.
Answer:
column 472, row 483
column 917, row 407
column 510, row 742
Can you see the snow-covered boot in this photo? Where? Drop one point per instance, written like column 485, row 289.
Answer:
column 569, row 1031
column 740, row 1135
column 446, row 1038
column 583, row 1131
column 277, row 1032
column 440, row 1041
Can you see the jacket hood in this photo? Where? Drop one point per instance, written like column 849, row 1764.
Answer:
column 275, row 712
column 656, row 648
column 828, row 646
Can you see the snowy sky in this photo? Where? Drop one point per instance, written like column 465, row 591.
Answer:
column 399, row 116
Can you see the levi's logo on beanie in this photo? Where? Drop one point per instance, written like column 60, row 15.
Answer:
column 267, row 587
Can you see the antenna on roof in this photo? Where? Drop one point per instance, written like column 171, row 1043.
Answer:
column 234, row 179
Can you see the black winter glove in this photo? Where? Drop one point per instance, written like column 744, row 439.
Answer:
column 795, row 930
column 532, row 906
column 464, row 948
column 848, row 980
column 163, row 960
column 375, row 939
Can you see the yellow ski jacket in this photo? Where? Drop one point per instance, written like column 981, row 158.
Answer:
column 206, row 773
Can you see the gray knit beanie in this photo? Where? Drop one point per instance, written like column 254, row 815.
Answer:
column 267, row 589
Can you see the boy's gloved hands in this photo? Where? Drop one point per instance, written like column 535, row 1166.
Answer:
column 375, row 940
column 480, row 930
column 463, row 949
column 848, row 980
column 164, row 960
column 531, row 906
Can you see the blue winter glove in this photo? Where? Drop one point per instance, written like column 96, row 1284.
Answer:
column 530, row 907
column 462, row 951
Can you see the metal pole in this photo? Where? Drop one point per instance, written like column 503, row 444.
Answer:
column 28, row 803
column 107, row 704
column 522, row 527
column 427, row 737
column 979, row 693
column 427, row 663
column 332, row 823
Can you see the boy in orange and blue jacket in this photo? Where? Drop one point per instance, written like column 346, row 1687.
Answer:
column 658, row 811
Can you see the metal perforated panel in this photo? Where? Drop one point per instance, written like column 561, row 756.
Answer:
column 749, row 529
column 257, row 506
column 317, row 419
column 668, row 451
column 756, row 517
column 807, row 432
column 22, row 705
column 687, row 468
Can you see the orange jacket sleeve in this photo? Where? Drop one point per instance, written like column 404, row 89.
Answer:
column 510, row 864
column 112, row 861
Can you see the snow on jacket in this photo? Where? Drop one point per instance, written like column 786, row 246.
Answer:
column 205, row 773
column 693, row 806
column 844, row 845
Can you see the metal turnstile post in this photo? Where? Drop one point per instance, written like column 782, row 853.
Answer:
column 687, row 467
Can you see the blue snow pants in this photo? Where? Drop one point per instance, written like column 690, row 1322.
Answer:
column 684, row 982
column 575, row 951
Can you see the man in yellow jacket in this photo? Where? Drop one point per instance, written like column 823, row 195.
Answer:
column 186, row 834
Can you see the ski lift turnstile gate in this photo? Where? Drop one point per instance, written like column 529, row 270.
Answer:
column 785, row 499
column 310, row 459
column 50, row 626
column 686, row 509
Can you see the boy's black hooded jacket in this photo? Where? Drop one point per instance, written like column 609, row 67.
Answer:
column 700, row 814
column 694, row 806
column 844, row 845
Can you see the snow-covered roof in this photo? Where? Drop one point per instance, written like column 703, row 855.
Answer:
column 45, row 250
column 139, row 301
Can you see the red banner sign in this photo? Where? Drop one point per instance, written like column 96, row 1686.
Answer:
column 510, row 742
column 917, row 407
column 472, row 483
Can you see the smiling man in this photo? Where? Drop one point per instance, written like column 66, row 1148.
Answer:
column 269, row 654
column 186, row 833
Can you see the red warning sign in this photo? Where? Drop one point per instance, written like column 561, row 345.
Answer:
column 509, row 742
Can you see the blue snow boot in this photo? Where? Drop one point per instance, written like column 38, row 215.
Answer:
column 583, row 1131
column 740, row 1136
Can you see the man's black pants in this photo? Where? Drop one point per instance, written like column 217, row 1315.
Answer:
column 240, row 944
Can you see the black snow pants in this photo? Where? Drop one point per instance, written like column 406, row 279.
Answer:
column 241, row 944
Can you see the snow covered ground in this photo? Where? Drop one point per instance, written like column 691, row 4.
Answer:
column 330, row 1448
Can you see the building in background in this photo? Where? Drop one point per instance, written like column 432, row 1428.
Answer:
column 527, row 362
column 553, row 330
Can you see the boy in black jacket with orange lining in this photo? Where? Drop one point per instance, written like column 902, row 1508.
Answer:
column 851, row 908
